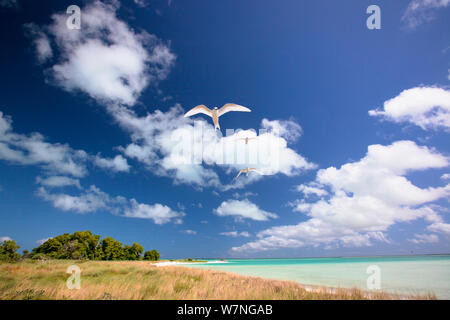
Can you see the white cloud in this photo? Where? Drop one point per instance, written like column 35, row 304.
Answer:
column 159, row 213
column 419, row 11
column 54, row 158
column 235, row 234
column 58, row 181
column 381, row 174
column 93, row 200
column 243, row 209
column 34, row 150
column 287, row 129
column 3, row 239
column 41, row 42
column 440, row 227
column 42, row 241
column 191, row 232
column 311, row 189
column 424, row 238
column 154, row 143
column 366, row 198
column 426, row 107
column 445, row 176
column 116, row 164
column 141, row 3
column 246, row 194
column 106, row 58
column 171, row 145
column 299, row 205
column 90, row 200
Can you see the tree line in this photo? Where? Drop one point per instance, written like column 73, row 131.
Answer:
column 81, row 245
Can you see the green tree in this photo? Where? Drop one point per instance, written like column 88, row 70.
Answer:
column 80, row 245
column 50, row 248
column 133, row 252
column 8, row 250
column 151, row 255
column 112, row 249
column 99, row 255
column 86, row 245
column 73, row 250
column 86, row 242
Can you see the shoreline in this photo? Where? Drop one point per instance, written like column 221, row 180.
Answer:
column 330, row 257
column 178, row 263
column 320, row 289
column 141, row 280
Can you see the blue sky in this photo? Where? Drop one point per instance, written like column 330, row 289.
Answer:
column 359, row 121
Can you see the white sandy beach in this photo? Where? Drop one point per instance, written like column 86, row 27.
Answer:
column 176, row 263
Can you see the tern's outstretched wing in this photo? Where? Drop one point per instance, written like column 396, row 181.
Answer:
column 232, row 107
column 199, row 109
column 240, row 173
column 254, row 170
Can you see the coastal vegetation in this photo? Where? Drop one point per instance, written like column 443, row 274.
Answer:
column 81, row 245
column 8, row 250
column 46, row 279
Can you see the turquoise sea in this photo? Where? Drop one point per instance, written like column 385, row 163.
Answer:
column 398, row 274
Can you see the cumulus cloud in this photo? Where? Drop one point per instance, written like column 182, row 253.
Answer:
column 3, row 239
column 445, row 176
column 54, row 158
column 426, row 107
column 365, row 199
column 171, row 145
column 419, row 11
column 311, row 189
column 58, row 181
column 90, row 200
column 155, row 144
column 93, row 200
column 424, row 238
column 243, row 209
column 288, row 129
column 159, row 213
column 235, row 234
column 116, row 164
column 34, row 150
column 440, row 227
column 382, row 174
column 106, row 59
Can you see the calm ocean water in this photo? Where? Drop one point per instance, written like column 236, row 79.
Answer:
column 399, row 274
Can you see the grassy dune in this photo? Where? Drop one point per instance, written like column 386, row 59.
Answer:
column 143, row 280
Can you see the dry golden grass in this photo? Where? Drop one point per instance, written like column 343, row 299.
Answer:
column 143, row 280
